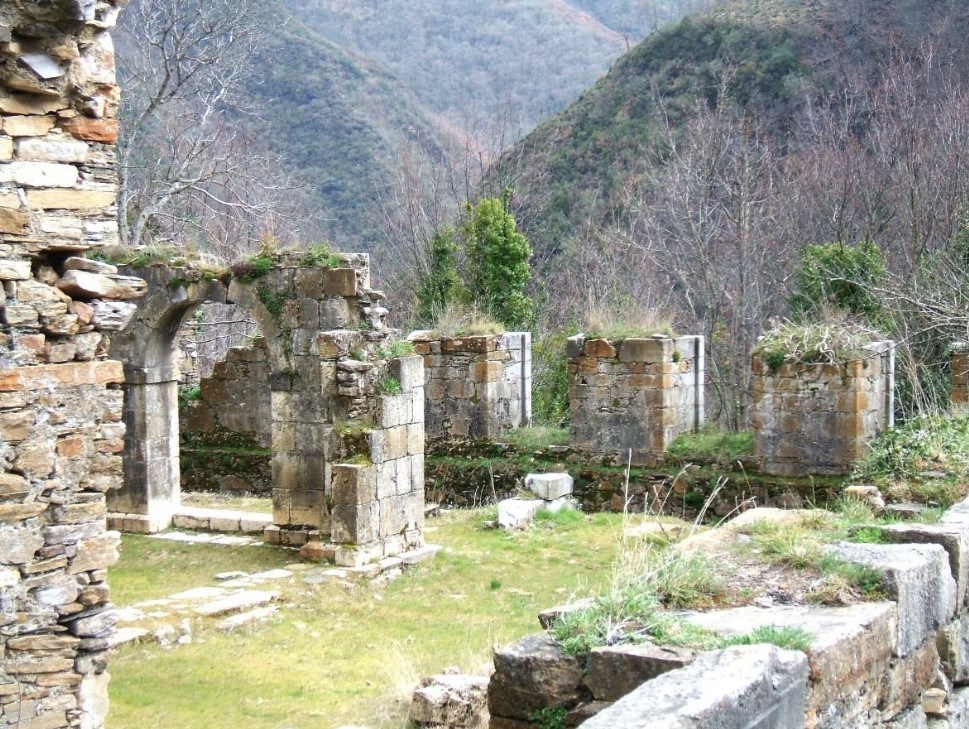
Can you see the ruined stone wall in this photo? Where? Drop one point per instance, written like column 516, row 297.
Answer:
column 60, row 399
column 959, row 368
column 477, row 387
column 636, row 395
column 235, row 399
column 820, row 418
column 901, row 662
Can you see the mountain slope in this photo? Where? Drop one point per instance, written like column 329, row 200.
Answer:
column 778, row 54
column 466, row 59
column 339, row 121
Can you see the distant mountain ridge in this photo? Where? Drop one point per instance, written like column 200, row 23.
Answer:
column 782, row 54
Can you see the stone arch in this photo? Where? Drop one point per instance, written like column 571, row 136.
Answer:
column 347, row 451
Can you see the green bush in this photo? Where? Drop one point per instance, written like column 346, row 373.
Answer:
column 837, row 275
column 439, row 286
column 388, row 385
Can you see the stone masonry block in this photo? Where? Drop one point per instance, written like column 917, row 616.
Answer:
column 614, row 671
column 747, row 687
column 951, row 538
column 340, row 282
column 850, row 651
column 450, row 700
column 352, row 485
column 533, row 674
column 652, row 349
column 918, row 578
column 357, row 524
column 549, row 486
column 409, row 371
column 574, row 346
column 953, row 644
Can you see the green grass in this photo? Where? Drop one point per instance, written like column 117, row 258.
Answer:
column 925, row 460
column 537, row 437
column 712, row 445
column 339, row 654
column 792, row 638
column 153, row 568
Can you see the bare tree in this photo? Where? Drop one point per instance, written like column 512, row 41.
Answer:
column 185, row 162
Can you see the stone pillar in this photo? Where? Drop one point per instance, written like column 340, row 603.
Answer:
column 959, row 369
column 61, row 429
column 477, row 387
column 635, row 395
column 820, row 418
column 147, row 346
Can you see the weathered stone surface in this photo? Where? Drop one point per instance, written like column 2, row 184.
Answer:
column 64, row 375
column 52, row 149
column 450, row 700
column 614, row 671
column 749, row 687
column 532, row 674
column 113, row 316
column 518, row 513
column 918, row 577
column 39, row 174
column 953, row 645
column 549, row 486
column 76, row 263
column 954, row 540
column 57, row 199
column 85, row 284
column 18, row 545
column 851, row 646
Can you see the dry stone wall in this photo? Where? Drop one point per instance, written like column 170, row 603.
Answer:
column 636, row 395
column 477, row 387
column 820, row 418
column 235, row 399
column 61, row 428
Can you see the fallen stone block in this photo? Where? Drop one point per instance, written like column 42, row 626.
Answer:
column 747, row 687
column 549, row 486
column 533, row 674
column 614, row 671
column 518, row 513
column 453, row 701
column 917, row 577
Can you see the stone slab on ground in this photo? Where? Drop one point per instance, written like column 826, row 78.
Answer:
column 205, row 538
column 235, row 621
column 549, row 486
column 220, row 520
column 917, row 576
column 518, row 513
column 744, row 687
column 127, row 635
column 450, row 700
column 235, row 602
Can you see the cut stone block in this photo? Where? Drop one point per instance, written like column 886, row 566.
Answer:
column 953, row 644
column 747, row 687
column 533, row 674
column 851, row 646
column 549, row 486
column 518, row 513
column 917, row 577
column 953, row 539
column 614, row 671
column 454, row 701
column 234, row 621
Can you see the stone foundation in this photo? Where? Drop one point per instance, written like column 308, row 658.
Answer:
column 477, row 387
column 636, row 395
column 820, row 418
column 61, row 428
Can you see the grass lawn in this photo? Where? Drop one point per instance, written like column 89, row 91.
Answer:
column 342, row 653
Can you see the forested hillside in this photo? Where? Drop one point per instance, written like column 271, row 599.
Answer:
column 732, row 158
